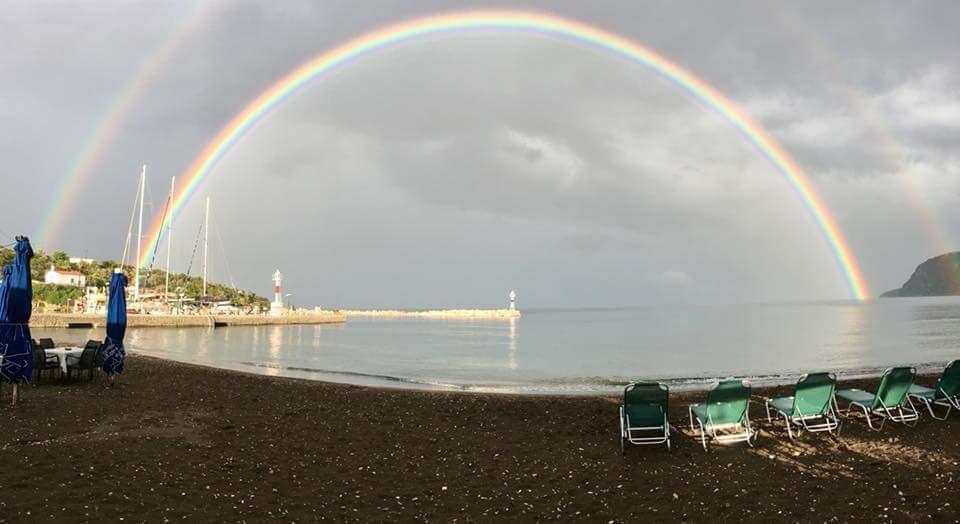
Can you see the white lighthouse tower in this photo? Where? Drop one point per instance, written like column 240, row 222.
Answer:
column 513, row 300
column 277, row 305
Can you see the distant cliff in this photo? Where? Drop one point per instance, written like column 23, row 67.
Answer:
column 936, row 277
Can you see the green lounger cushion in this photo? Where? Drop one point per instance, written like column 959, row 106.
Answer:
column 783, row 404
column 925, row 392
column 894, row 386
column 813, row 394
column 700, row 411
column 857, row 395
column 721, row 418
column 645, row 404
column 643, row 415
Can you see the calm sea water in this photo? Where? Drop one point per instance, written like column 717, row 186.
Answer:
column 579, row 351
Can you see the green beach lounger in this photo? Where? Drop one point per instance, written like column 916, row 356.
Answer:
column 643, row 415
column 889, row 402
column 811, row 407
column 946, row 393
column 727, row 409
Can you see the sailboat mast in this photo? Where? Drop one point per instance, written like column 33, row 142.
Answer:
column 206, row 234
column 136, row 278
column 166, row 284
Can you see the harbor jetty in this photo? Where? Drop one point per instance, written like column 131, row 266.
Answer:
column 82, row 320
column 436, row 313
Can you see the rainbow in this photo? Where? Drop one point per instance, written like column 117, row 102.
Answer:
column 108, row 127
column 517, row 21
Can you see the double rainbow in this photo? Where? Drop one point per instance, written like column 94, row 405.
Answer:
column 518, row 21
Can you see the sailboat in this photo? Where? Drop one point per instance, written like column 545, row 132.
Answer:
column 134, row 305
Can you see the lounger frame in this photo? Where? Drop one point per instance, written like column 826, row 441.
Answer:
column 709, row 429
column 947, row 401
column 626, row 432
column 829, row 421
column 895, row 413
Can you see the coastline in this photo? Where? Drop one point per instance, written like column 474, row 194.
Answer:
column 435, row 313
column 68, row 320
column 182, row 441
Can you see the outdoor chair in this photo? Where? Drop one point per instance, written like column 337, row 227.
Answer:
column 891, row 400
column 93, row 344
column 643, row 415
column 47, row 343
column 88, row 361
column 44, row 362
column 727, row 409
column 811, row 407
column 946, row 393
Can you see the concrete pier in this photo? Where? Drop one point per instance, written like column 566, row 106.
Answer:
column 63, row 320
column 438, row 313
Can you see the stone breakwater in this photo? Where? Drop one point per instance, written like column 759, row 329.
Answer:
column 62, row 320
column 439, row 313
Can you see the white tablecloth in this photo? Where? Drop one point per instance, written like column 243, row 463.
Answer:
column 62, row 353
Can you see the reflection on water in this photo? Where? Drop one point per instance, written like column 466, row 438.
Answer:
column 512, row 345
column 276, row 339
column 577, row 351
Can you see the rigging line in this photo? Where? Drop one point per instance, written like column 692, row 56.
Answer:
column 193, row 255
column 223, row 253
column 133, row 214
column 156, row 247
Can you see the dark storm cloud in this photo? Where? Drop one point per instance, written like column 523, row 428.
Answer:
column 499, row 155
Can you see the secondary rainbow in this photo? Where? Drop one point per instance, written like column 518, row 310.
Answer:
column 516, row 21
column 107, row 129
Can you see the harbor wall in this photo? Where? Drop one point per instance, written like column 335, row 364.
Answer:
column 439, row 313
column 65, row 320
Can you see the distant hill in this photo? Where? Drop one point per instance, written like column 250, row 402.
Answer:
column 938, row 276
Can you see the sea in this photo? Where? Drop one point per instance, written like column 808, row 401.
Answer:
column 578, row 351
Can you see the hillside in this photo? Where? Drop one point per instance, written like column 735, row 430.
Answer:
column 98, row 274
column 938, row 276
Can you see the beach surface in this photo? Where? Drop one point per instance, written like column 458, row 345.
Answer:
column 179, row 442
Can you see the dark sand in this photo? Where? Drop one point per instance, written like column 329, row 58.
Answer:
column 177, row 442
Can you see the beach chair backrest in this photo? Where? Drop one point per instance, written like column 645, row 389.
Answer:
column 813, row 394
column 87, row 358
column 727, row 403
column 894, row 386
column 46, row 343
column 949, row 383
column 646, row 403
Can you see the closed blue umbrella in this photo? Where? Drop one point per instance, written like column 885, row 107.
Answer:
column 113, row 353
column 4, row 280
column 16, row 305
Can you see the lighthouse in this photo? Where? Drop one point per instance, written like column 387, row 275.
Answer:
column 513, row 300
column 277, row 305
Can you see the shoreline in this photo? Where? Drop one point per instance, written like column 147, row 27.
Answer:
column 434, row 313
column 81, row 320
column 180, row 441
column 556, row 388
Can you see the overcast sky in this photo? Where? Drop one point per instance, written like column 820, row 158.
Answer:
column 448, row 170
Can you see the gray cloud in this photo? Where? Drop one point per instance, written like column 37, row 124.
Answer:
column 523, row 161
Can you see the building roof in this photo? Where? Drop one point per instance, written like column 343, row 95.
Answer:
column 69, row 273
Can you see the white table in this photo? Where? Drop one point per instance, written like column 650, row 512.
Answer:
column 62, row 354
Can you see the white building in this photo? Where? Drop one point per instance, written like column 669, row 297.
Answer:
column 65, row 278
column 77, row 260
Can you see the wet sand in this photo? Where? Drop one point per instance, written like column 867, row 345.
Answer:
column 180, row 442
